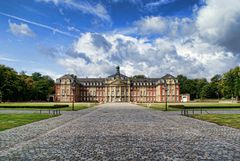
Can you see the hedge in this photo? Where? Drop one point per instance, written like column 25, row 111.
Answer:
column 196, row 107
column 22, row 106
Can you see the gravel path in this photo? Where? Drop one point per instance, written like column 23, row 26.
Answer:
column 120, row 132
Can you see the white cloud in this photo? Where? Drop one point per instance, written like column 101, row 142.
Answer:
column 21, row 29
column 3, row 58
column 164, row 26
column 202, row 46
column 152, row 25
column 54, row 30
column 213, row 58
column 135, row 56
column 97, row 55
column 83, row 6
column 130, row 1
column 73, row 29
column 158, row 3
column 219, row 23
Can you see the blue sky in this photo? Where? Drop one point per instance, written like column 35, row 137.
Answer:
column 197, row 38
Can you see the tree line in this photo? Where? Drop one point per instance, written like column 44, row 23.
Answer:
column 21, row 87
column 225, row 85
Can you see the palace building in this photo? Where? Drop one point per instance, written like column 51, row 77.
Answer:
column 117, row 88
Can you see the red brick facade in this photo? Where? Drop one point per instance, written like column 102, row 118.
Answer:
column 117, row 88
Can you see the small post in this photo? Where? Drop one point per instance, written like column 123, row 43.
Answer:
column 165, row 86
column 73, row 93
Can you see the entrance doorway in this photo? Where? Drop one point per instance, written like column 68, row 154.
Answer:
column 117, row 99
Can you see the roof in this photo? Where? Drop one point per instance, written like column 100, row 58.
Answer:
column 91, row 80
column 134, row 81
column 68, row 76
column 168, row 76
column 118, row 74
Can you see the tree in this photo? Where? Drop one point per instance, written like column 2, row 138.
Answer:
column 43, row 87
column 0, row 96
column 21, row 87
column 191, row 86
column 200, row 83
column 216, row 78
column 216, row 85
column 182, row 81
column 208, row 91
column 230, row 84
column 36, row 76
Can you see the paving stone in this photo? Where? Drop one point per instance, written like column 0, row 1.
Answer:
column 120, row 131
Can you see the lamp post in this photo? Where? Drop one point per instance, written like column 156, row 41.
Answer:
column 73, row 96
column 166, row 89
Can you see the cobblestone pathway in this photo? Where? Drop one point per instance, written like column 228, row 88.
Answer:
column 120, row 132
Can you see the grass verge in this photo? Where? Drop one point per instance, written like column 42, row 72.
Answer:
column 44, row 106
column 159, row 106
column 8, row 121
column 231, row 120
column 205, row 106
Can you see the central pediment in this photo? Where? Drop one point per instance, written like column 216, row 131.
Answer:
column 117, row 82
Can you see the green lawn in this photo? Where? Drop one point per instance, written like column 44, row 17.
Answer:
column 204, row 105
column 44, row 106
column 158, row 106
column 8, row 121
column 231, row 120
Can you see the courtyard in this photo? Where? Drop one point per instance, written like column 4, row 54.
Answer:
column 120, row 131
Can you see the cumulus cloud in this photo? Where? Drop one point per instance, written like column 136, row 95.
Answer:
column 165, row 26
column 134, row 55
column 84, row 6
column 202, row 46
column 219, row 23
column 21, row 29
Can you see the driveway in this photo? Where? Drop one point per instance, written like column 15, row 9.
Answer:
column 120, row 131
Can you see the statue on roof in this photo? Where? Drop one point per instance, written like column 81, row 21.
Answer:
column 118, row 70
